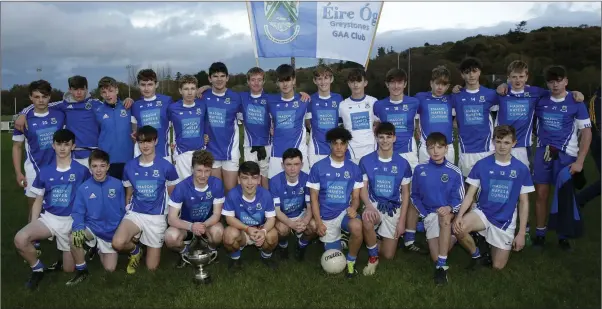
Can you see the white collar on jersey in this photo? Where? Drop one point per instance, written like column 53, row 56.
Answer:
column 559, row 100
column 503, row 163
column 188, row 105
column 145, row 164
column 292, row 184
column 336, row 164
column 203, row 189
column 385, row 160
column 151, row 98
column 42, row 114
column 248, row 200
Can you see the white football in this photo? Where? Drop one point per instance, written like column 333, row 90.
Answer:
column 333, row 261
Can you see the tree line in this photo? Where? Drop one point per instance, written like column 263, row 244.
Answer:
column 577, row 48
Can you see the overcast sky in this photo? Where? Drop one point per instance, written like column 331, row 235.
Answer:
column 101, row 38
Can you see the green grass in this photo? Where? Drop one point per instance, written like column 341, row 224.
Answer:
column 552, row 279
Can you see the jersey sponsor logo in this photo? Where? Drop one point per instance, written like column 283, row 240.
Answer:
column 517, row 109
column 438, row 113
column 217, row 117
column 285, row 119
column 191, row 127
column 399, row 121
column 45, row 137
column 473, row 114
column 281, row 16
column 336, row 192
column 499, row 190
column 111, row 193
column 61, row 195
column 360, row 121
column 255, row 114
column 151, row 117
column 147, row 190
column 383, row 185
column 326, row 119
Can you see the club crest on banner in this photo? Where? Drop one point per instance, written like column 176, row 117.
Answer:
column 281, row 16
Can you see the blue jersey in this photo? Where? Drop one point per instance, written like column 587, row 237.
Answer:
column 221, row 124
column 59, row 186
column 437, row 185
column 436, row 115
column 188, row 125
column 558, row 122
column 385, row 178
column 291, row 198
column 115, row 129
column 256, row 119
column 475, row 125
column 517, row 110
column 500, row 185
column 401, row 114
column 153, row 112
column 80, row 118
column 335, row 183
column 250, row 212
column 324, row 115
column 196, row 204
column 288, row 117
column 149, row 182
column 99, row 206
column 38, row 137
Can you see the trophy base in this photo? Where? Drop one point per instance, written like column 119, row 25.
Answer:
column 198, row 281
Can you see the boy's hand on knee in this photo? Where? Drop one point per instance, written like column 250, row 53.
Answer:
column 444, row 211
column 458, row 225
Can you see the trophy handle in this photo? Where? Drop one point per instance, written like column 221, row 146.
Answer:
column 185, row 258
column 213, row 256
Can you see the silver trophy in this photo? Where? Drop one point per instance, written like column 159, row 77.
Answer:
column 200, row 258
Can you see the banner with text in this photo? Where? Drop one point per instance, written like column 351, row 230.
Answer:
column 332, row 30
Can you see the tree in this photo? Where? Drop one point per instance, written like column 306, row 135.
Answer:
column 391, row 51
column 380, row 52
column 426, row 44
column 178, row 76
column 521, row 27
column 202, row 77
column 321, row 61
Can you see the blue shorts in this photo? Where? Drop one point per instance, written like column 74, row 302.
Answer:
column 545, row 172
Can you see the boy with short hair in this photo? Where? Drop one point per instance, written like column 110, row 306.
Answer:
column 437, row 193
column 436, row 114
column 195, row 208
column 291, row 200
column 288, row 117
column 149, row 179
column 98, row 208
column 385, row 195
column 322, row 114
column 250, row 214
column 188, row 119
column 115, row 127
column 55, row 187
column 38, row 136
column 151, row 110
column 502, row 182
column 357, row 114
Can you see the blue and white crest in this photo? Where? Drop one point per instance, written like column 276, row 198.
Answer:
column 282, row 21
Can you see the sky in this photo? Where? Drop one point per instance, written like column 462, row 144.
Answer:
column 95, row 39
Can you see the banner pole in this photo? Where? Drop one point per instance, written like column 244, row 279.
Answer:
column 374, row 36
column 251, row 22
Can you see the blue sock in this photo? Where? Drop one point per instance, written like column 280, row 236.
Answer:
column 303, row 243
column 236, row 254
column 541, row 231
column 420, row 227
column 36, row 244
column 373, row 251
column 38, row 266
column 476, row 254
column 350, row 258
column 136, row 250
column 441, row 261
column 265, row 255
column 81, row 266
column 409, row 237
column 333, row 245
column 283, row 244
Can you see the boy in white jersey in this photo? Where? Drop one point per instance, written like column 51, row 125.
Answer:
column 358, row 116
column 322, row 114
column 55, row 187
column 501, row 182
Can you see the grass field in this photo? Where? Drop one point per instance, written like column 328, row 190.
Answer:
column 552, row 279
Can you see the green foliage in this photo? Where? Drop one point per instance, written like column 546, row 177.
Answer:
column 577, row 48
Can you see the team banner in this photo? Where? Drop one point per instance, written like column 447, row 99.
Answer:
column 332, row 30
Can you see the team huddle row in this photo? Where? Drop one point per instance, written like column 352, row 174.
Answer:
column 284, row 184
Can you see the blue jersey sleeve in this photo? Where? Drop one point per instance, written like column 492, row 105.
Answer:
column 270, row 210
column 274, row 188
column 456, row 193
column 474, row 177
column 171, row 175
column 229, row 205
column 416, row 198
column 219, row 190
column 78, row 212
column 358, row 177
column 527, row 182
column 314, row 178
column 38, row 185
column 177, row 196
